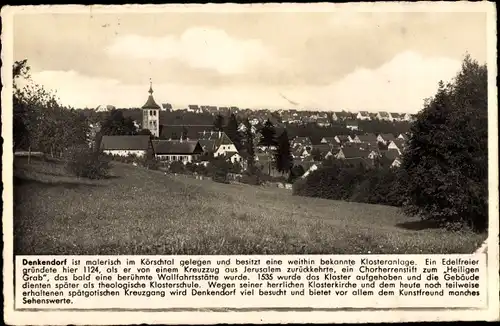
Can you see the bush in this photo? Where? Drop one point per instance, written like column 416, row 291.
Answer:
column 84, row 162
column 177, row 167
column 296, row 172
column 378, row 186
column 252, row 176
column 220, row 176
column 151, row 163
column 445, row 164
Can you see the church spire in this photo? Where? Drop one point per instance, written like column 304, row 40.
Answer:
column 150, row 87
column 150, row 104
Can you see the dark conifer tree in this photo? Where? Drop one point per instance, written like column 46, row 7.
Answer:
column 283, row 157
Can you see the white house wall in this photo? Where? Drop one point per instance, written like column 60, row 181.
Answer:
column 394, row 146
column 138, row 153
column 236, row 159
column 223, row 149
column 177, row 157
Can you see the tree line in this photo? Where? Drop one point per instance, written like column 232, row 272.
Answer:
column 40, row 122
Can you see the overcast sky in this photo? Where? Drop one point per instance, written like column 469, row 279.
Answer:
column 323, row 60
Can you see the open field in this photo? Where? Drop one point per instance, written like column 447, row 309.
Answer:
column 137, row 211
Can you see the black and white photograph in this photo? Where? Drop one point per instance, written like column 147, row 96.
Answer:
column 245, row 132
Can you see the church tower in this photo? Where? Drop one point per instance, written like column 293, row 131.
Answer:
column 151, row 114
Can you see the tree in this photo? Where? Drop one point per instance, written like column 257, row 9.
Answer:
column 145, row 132
column 268, row 134
column 248, row 145
column 116, row 124
column 283, row 157
column 296, row 172
column 268, row 138
column 40, row 122
column 445, row 165
column 219, row 123
column 184, row 133
column 232, row 132
column 219, row 167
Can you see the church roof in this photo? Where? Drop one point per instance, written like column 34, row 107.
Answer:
column 137, row 142
column 150, row 103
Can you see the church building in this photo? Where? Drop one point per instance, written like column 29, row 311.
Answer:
column 151, row 114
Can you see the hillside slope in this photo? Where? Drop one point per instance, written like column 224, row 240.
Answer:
column 137, row 211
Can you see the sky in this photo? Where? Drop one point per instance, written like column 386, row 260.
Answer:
column 280, row 60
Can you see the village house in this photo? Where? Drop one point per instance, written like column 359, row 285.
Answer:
column 243, row 128
column 363, row 146
column 222, row 143
column 363, row 115
column 234, row 157
column 341, row 139
column 347, row 153
column 305, row 151
column 322, row 149
column 368, row 138
column 397, row 144
column 396, row 163
column 323, row 122
column 408, row 117
column 352, row 124
column 193, row 108
column 341, row 116
column 185, row 151
column 328, row 140
column 373, row 154
column 302, row 142
column 383, row 115
column 254, row 121
column 296, row 153
column 331, row 153
column 403, row 137
column 396, row 116
column 385, row 138
column 137, row 145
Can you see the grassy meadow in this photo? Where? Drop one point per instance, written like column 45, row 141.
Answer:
column 138, row 211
